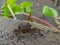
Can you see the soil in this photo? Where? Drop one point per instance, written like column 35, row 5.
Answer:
column 26, row 28
column 29, row 33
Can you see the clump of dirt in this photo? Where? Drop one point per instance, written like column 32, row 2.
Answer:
column 24, row 28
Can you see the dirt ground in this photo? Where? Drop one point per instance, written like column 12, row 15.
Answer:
column 44, row 37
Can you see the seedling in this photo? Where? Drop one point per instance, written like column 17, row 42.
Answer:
column 12, row 9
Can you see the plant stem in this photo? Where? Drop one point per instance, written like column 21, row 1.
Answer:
column 43, row 17
column 11, row 12
column 29, row 17
column 40, row 20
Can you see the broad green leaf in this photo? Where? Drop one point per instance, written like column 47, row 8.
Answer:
column 26, row 3
column 11, row 2
column 48, row 11
column 17, row 10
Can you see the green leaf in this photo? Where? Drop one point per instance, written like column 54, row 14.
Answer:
column 48, row 11
column 11, row 2
column 28, row 9
column 32, row 11
column 17, row 10
column 5, row 7
column 6, row 11
column 25, row 4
